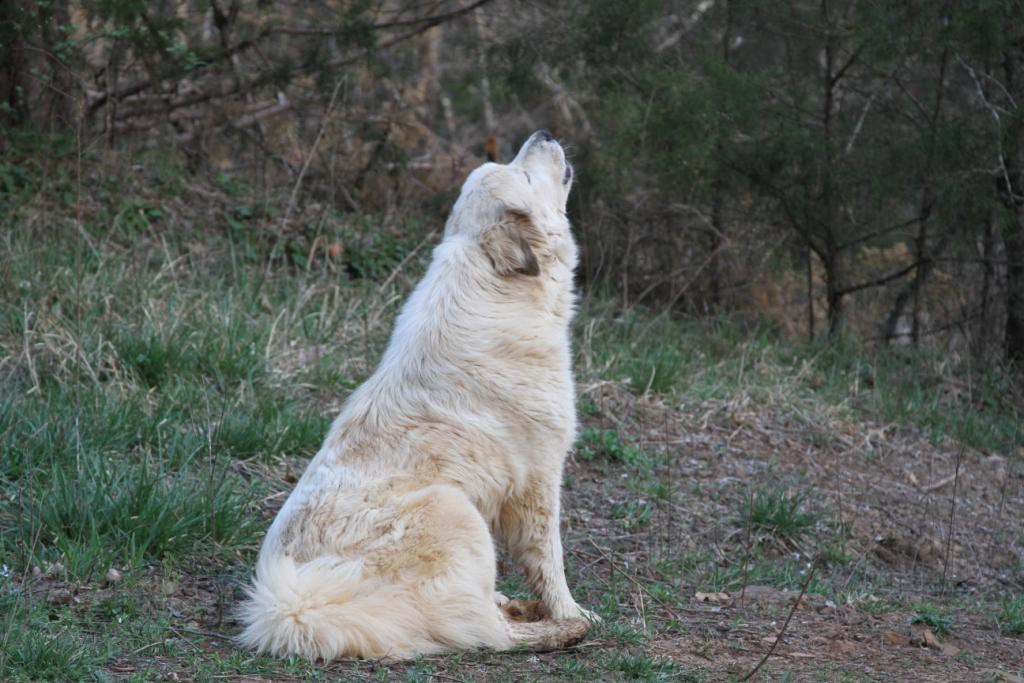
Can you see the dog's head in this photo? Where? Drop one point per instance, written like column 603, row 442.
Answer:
column 515, row 212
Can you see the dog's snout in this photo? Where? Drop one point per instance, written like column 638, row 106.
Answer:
column 544, row 135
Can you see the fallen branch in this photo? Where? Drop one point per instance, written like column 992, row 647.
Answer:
column 945, row 481
column 796, row 603
column 633, row 580
column 952, row 516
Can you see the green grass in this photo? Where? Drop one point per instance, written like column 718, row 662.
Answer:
column 1010, row 619
column 727, row 359
column 597, row 444
column 778, row 515
column 936, row 617
column 643, row 667
column 40, row 644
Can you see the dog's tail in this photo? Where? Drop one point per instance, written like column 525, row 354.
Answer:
column 326, row 609
column 548, row 635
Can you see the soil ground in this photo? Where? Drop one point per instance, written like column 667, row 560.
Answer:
column 908, row 550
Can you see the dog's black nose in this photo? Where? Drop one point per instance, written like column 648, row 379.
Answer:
column 545, row 135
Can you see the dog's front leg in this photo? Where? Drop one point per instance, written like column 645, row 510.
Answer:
column 529, row 525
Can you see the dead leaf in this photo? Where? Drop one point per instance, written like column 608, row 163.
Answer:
column 763, row 594
column 945, row 481
column 897, row 639
column 60, row 596
column 767, row 594
column 997, row 466
column 717, row 598
column 1000, row 676
column 844, row 648
column 927, row 639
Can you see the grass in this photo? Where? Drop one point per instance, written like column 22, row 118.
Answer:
column 1010, row 619
column 726, row 359
column 607, row 444
column 643, row 667
column 936, row 617
column 37, row 644
column 781, row 516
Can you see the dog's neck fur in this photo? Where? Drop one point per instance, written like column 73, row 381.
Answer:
column 437, row 336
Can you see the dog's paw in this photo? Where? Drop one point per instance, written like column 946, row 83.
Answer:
column 574, row 611
column 500, row 599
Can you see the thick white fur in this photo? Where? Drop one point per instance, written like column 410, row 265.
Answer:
column 384, row 548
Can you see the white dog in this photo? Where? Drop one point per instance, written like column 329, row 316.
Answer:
column 385, row 547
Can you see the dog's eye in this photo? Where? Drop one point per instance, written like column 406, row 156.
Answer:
column 528, row 177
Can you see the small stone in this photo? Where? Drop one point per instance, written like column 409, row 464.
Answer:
column 113, row 577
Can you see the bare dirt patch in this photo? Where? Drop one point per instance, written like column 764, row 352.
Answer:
column 901, row 522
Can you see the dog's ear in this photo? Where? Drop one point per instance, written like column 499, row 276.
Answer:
column 511, row 244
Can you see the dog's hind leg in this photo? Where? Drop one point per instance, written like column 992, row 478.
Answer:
column 446, row 560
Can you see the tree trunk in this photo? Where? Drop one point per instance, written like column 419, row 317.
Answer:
column 985, row 327
column 34, row 87
column 833, row 280
column 1010, row 184
column 911, row 291
column 718, row 185
column 810, row 294
column 925, row 209
column 14, row 68
column 1013, row 344
column 834, row 295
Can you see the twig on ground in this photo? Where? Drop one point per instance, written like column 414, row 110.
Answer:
column 672, row 612
column 952, row 516
column 145, row 647
column 792, row 610
column 945, row 481
column 204, row 634
column 750, row 545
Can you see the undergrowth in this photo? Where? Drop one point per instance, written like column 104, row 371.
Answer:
column 728, row 359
